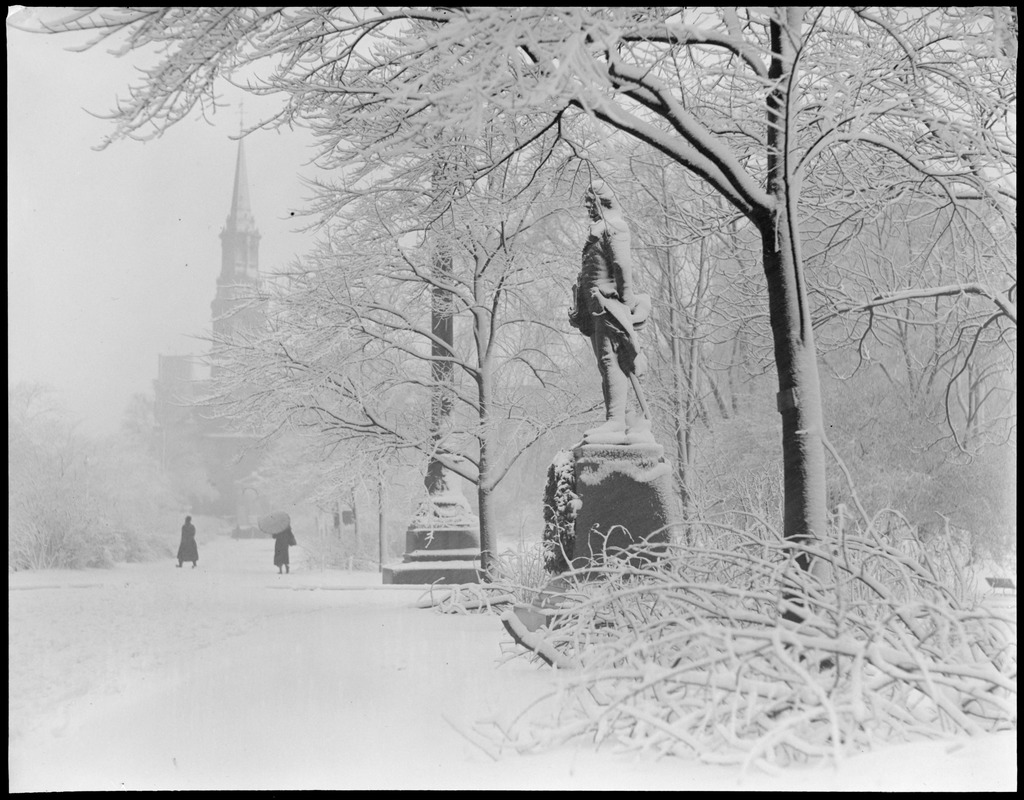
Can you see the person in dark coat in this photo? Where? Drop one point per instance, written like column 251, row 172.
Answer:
column 282, row 541
column 187, row 550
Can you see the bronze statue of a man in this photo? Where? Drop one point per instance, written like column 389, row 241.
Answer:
column 608, row 310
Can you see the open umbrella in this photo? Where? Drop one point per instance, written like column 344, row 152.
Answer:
column 275, row 522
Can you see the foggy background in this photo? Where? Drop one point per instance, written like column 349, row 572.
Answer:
column 113, row 255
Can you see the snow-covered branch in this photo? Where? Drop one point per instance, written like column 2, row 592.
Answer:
column 1000, row 299
column 689, row 655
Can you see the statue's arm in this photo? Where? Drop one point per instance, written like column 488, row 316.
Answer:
column 621, row 262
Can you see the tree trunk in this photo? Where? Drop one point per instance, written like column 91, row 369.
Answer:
column 799, row 398
column 381, row 524
column 488, row 543
column 680, row 396
column 692, row 409
column 355, row 523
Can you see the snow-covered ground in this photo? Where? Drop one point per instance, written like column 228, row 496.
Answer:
column 233, row 677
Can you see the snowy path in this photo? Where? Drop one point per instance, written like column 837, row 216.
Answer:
column 231, row 677
column 330, row 697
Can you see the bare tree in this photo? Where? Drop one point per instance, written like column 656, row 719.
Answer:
column 956, row 336
column 395, row 313
column 766, row 105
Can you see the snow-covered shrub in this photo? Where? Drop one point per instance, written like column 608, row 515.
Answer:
column 521, row 573
column 60, row 534
column 141, row 547
column 692, row 655
column 324, row 551
column 515, row 576
column 76, row 501
column 322, row 547
column 561, row 505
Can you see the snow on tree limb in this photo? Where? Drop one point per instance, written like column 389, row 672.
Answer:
column 689, row 656
column 883, row 110
column 1001, row 300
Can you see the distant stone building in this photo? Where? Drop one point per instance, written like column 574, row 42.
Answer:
column 217, row 464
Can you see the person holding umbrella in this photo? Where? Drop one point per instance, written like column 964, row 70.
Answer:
column 188, row 550
column 279, row 526
column 282, row 541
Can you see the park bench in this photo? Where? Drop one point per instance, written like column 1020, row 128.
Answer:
column 1002, row 583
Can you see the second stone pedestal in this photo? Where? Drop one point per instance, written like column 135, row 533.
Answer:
column 442, row 545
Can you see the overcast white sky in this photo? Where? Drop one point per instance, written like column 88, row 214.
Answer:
column 113, row 255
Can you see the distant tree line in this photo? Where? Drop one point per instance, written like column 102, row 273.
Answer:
column 81, row 501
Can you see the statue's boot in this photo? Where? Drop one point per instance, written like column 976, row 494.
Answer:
column 638, row 430
column 611, row 432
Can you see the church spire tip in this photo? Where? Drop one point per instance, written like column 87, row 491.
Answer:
column 241, row 210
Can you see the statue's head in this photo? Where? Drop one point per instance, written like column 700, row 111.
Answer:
column 598, row 196
column 188, row 519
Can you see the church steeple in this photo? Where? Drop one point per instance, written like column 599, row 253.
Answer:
column 240, row 251
column 241, row 217
column 187, row 421
column 240, row 240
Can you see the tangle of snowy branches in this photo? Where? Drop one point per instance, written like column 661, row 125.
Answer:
column 513, row 577
column 692, row 656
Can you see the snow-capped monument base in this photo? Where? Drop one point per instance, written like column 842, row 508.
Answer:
column 627, row 499
column 442, row 544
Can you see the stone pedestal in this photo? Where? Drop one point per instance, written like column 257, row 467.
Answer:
column 626, row 498
column 442, row 544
